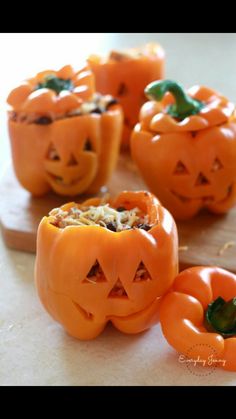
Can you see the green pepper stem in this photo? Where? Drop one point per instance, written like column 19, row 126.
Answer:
column 55, row 83
column 184, row 105
column 221, row 317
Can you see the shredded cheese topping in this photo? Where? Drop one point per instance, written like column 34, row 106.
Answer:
column 103, row 215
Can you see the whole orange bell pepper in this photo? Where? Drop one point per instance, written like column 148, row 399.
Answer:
column 57, row 143
column 198, row 317
column 185, row 148
column 125, row 75
column 66, row 258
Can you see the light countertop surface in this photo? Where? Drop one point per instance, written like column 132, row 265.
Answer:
column 34, row 350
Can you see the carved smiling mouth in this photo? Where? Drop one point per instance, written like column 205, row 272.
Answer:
column 206, row 200
column 60, row 181
column 114, row 293
column 91, row 317
column 117, row 292
column 84, row 313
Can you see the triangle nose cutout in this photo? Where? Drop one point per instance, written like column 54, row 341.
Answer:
column 118, row 291
column 52, row 153
column 201, row 180
column 72, row 161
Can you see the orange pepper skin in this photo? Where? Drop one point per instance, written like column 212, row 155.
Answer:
column 182, row 314
column 65, row 256
column 126, row 80
column 38, row 174
column 76, row 169
column 188, row 164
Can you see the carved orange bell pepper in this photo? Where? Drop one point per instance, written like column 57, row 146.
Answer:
column 87, row 275
column 125, row 75
column 185, row 148
column 64, row 137
column 198, row 317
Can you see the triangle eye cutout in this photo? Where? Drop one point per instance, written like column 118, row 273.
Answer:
column 180, row 169
column 72, row 161
column 52, row 153
column 201, row 180
column 217, row 165
column 118, row 291
column 142, row 273
column 122, row 90
column 95, row 275
column 88, row 145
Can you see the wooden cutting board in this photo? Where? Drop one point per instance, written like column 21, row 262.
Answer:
column 203, row 240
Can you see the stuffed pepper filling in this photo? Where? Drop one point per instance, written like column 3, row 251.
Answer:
column 98, row 104
column 114, row 219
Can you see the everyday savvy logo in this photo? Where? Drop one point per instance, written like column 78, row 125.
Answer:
column 200, row 365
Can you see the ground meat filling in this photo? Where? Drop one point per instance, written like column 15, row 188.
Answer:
column 116, row 220
column 99, row 104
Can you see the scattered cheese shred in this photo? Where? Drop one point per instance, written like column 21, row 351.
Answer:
column 226, row 246
column 183, row 248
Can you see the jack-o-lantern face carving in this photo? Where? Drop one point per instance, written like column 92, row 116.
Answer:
column 189, row 164
column 71, row 154
column 125, row 75
column 89, row 275
column 76, row 173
